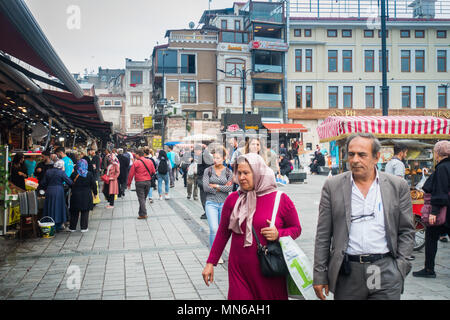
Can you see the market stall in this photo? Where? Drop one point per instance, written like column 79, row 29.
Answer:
column 420, row 134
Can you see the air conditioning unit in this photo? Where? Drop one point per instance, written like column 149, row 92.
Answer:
column 207, row 115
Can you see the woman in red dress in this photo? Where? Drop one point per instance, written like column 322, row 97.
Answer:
column 251, row 205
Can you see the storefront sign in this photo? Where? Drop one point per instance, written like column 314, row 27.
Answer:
column 268, row 45
column 148, row 122
column 439, row 114
column 157, row 143
column 230, row 47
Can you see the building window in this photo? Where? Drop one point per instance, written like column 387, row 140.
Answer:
column 118, row 103
column 237, row 25
column 333, row 97
column 224, row 24
column 442, row 96
column 332, row 33
column 420, row 33
column 298, row 97
column 107, row 102
column 308, row 61
column 228, row 95
column 370, row 97
column 308, row 33
column 136, row 77
column 368, row 33
column 297, row 32
column 420, row 97
column 136, row 121
column 136, row 98
column 442, row 60
column 234, row 37
column 332, row 61
column 298, row 60
column 369, row 60
column 309, row 98
column 188, row 92
column 232, row 66
column 380, row 59
column 441, row 34
column 347, row 61
column 379, row 34
column 406, row 61
column 405, row 34
column 420, row 60
column 346, row 33
column 348, row 97
column 406, row 97
column 188, row 63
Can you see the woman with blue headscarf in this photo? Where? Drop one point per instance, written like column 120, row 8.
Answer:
column 81, row 200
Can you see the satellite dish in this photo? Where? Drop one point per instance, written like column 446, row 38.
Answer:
column 191, row 25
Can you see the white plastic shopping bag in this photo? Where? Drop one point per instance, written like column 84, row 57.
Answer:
column 300, row 268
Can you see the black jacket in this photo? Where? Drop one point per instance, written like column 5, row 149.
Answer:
column 82, row 190
column 124, row 168
column 438, row 184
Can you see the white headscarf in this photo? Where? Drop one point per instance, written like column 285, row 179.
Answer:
column 59, row 165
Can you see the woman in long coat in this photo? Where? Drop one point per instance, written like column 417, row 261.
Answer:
column 55, row 203
column 81, row 201
column 252, row 205
column 111, row 189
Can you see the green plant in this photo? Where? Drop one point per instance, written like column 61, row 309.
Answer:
column 4, row 175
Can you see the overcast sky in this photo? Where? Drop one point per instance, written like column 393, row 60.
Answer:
column 112, row 30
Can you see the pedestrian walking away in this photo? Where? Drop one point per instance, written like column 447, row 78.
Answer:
column 365, row 229
column 217, row 183
column 163, row 172
column 148, row 153
column 203, row 158
column 124, row 163
column 251, row 206
column 173, row 168
column 142, row 171
column 438, row 185
column 81, row 200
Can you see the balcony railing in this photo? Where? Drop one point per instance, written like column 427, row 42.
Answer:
column 193, row 37
column 268, row 39
column 267, row 97
column 268, row 68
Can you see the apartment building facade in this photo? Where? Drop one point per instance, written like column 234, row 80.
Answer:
column 184, row 73
column 334, row 68
column 138, row 95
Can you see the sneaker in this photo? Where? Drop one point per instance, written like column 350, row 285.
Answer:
column 443, row 239
column 71, row 231
column 109, row 207
column 160, row 197
column 424, row 273
column 188, row 197
column 84, row 231
column 410, row 258
column 221, row 261
column 167, row 197
column 151, row 200
column 203, row 216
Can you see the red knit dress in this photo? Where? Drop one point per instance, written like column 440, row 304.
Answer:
column 245, row 279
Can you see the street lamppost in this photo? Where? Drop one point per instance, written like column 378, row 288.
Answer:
column 243, row 73
column 384, row 88
column 162, row 101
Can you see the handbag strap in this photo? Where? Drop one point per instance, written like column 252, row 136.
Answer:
column 274, row 215
column 146, row 167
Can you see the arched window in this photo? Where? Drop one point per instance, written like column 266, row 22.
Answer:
column 232, row 65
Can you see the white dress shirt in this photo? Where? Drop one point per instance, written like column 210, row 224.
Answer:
column 367, row 235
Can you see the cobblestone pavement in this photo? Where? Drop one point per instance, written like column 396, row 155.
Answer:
column 159, row 258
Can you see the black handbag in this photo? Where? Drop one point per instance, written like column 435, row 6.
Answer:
column 271, row 260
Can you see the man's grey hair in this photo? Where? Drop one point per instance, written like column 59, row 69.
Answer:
column 376, row 145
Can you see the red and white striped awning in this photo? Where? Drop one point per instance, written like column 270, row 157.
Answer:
column 336, row 128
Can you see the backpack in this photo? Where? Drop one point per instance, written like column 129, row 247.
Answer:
column 163, row 168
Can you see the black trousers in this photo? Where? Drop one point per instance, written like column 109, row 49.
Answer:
column 432, row 235
column 74, row 219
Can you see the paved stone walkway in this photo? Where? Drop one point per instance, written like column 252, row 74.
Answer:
column 159, row 258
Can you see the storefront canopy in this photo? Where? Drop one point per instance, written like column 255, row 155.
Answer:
column 22, row 38
column 400, row 127
column 83, row 113
column 285, row 128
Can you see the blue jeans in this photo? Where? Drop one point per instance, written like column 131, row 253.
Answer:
column 213, row 213
column 161, row 178
column 150, row 193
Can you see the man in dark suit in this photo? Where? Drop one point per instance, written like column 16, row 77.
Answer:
column 365, row 229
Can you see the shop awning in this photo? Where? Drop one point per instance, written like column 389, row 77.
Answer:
column 83, row 113
column 400, row 127
column 285, row 127
column 22, row 38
